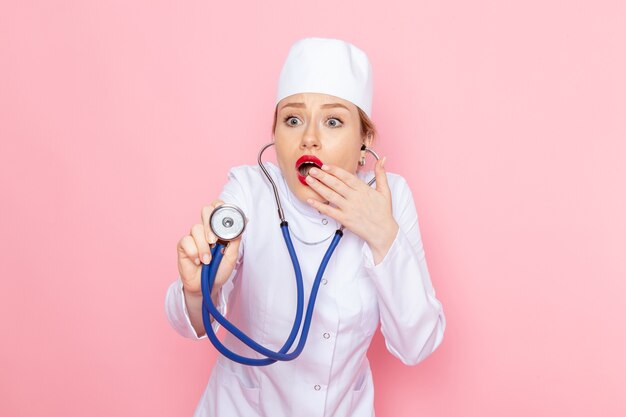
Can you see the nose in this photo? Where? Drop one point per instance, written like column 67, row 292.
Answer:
column 310, row 138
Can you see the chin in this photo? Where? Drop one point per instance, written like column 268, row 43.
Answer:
column 304, row 192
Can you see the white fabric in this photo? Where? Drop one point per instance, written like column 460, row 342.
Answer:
column 329, row 66
column 332, row 376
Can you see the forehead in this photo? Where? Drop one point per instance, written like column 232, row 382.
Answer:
column 314, row 100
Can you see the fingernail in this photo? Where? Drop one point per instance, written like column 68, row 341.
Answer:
column 206, row 258
column 309, row 178
column 313, row 171
column 197, row 261
column 382, row 164
column 325, row 167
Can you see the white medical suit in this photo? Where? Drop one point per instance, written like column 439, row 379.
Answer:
column 332, row 376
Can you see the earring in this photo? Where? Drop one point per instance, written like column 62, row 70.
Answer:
column 362, row 160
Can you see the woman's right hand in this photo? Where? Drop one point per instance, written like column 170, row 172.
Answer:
column 194, row 250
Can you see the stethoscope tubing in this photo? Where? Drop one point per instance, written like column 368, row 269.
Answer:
column 208, row 308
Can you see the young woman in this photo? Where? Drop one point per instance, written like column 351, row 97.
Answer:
column 378, row 272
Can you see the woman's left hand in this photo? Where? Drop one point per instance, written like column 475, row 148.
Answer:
column 363, row 210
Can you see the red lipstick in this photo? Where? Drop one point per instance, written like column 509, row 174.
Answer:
column 304, row 164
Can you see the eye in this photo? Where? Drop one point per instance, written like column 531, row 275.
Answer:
column 291, row 120
column 334, row 122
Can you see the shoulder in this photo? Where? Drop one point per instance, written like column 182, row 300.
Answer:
column 396, row 181
column 244, row 172
column 252, row 175
column 247, row 183
column 235, row 191
column 398, row 185
column 247, row 178
column 402, row 201
column 401, row 196
column 400, row 190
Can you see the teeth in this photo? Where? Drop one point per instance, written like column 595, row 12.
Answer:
column 305, row 167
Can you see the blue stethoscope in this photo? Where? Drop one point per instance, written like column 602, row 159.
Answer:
column 228, row 223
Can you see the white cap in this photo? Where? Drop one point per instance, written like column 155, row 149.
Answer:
column 328, row 66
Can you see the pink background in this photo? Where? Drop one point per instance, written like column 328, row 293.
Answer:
column 120, row 119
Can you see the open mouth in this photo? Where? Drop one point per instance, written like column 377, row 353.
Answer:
column 304, row 165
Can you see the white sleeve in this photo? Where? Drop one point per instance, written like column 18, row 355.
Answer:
column 178, row 315
column 412, row 319
column 175, row 305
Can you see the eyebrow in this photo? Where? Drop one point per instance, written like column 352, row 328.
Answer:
column 324, row 106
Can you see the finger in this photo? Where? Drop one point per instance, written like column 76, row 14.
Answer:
column 331, row 181
column 199, row 237
column 188, row 248
column 325, row 192
column 381, row 177
column 231, row 252
column 326, row 209
column 206, row 217
column 229, row 259
column 348, row 178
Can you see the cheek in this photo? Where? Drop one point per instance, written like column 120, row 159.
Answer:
column 282, row 155
column 349, row 147
column 349, row 159
column 286, row 159
column 352, row 164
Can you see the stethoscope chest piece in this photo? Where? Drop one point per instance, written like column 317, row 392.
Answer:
column 227, row 222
